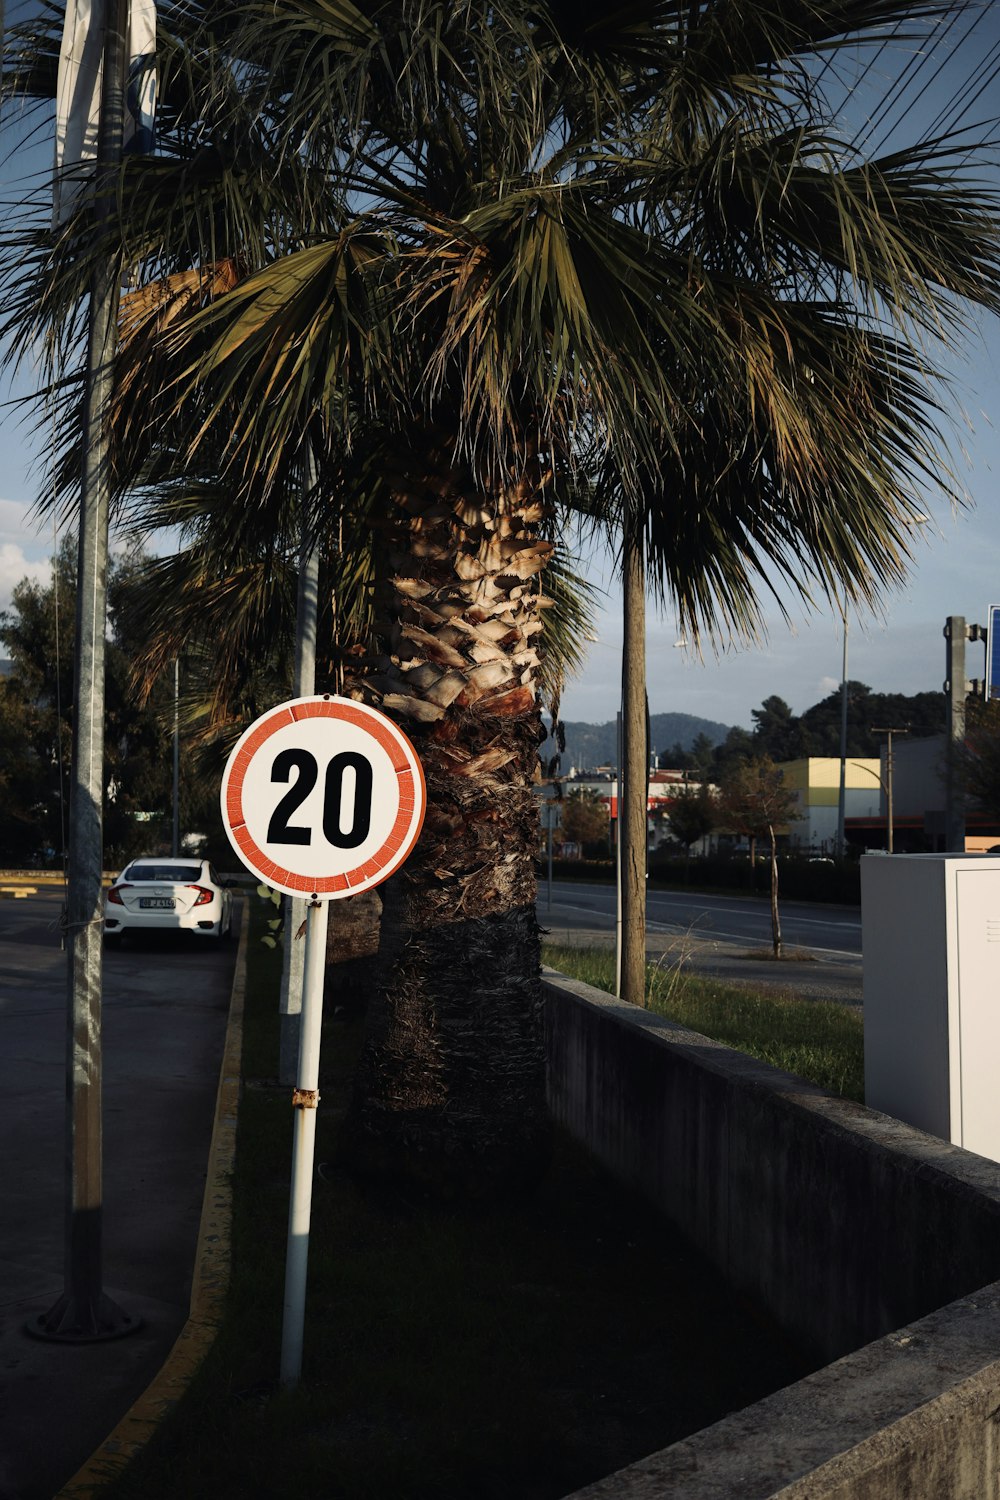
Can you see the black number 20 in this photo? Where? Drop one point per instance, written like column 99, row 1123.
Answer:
column 281, row 831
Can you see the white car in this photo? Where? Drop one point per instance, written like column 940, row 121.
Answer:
column 168, row 895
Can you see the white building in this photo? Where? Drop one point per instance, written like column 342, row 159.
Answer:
column 816, row 783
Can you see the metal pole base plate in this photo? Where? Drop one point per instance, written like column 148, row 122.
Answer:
column 86, row 1321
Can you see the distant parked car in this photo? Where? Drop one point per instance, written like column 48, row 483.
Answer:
column 168, row 895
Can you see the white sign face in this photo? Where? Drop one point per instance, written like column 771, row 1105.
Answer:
column 323, row 797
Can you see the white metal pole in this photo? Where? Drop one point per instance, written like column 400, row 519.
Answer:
column 305, row 1100
column 84, row 1313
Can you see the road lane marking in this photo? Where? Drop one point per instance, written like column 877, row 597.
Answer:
column 713, row 934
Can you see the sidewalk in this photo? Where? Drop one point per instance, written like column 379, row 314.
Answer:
column 165, row 1025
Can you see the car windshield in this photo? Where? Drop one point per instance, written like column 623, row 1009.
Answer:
column 150, row 871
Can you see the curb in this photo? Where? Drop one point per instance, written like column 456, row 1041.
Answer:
column 211, row 1272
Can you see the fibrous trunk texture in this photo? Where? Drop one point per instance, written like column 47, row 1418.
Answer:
column 451, row 1083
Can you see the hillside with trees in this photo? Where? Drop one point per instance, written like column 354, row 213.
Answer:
column 590, row 745
column 782, row 735
column 707, row 748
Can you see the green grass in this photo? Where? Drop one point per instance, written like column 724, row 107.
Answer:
column 814, row 1039
column 505, row 1353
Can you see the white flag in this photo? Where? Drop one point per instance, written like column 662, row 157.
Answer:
column 78, row 93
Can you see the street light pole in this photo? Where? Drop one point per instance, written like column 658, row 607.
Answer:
column 84, row 1313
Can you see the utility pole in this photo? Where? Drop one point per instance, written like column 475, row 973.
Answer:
column 957, row 687
column 84, row 1313
column 888, row 776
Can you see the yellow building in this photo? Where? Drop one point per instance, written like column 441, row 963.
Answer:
column 816, row 782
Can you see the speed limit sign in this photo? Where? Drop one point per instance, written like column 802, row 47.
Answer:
column 323, row 797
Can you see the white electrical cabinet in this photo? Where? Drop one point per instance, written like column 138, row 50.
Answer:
column 931, row 945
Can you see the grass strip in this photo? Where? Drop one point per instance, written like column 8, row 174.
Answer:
column 511, row 1350
column 814, row 1039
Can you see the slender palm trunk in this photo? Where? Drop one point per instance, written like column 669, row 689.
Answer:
column 451, row 1083
column 633, row 799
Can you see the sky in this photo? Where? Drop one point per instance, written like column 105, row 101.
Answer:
column 957, row 555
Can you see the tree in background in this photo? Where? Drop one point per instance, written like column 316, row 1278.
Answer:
column 754, row 801
column 783, row 735
column 693, row 813
column 977, row 759
column 36, row 706
column 776, row 730
column 922, row 713
column 737, row 747
column 584, row 817
column 698, row 758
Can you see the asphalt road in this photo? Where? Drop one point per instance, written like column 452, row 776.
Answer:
column 714, row 935
column 164, row 1018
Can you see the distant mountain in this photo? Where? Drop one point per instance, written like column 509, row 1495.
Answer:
column 589, row 745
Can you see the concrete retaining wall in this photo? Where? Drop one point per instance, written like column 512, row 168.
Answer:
column 842, row 1223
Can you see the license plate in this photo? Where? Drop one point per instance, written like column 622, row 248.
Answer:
column 160, row 903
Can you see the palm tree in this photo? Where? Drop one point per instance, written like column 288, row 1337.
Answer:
column 621, row 253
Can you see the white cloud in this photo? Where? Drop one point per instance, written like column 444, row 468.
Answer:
column 17, row 526
column 14, row 566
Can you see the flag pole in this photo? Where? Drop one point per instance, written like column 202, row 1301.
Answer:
column 84, row 1313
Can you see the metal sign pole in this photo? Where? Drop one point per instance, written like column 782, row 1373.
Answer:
column 304, row 1100
column 350, row 813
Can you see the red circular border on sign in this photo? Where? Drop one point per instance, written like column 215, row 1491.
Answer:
column 407, row 776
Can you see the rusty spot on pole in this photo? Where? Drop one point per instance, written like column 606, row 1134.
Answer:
column 305, row 1098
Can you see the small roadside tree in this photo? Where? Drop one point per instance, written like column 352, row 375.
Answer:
column 755, row 801
column 693, row 814
column 584, row 817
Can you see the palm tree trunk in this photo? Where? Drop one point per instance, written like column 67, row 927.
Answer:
column 451, row 1085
